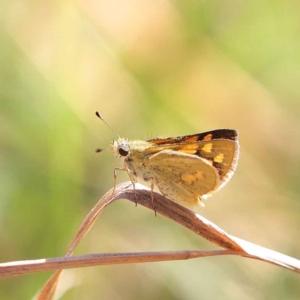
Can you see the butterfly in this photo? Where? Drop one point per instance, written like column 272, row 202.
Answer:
column 186, row 169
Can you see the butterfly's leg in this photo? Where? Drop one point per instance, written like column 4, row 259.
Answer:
column 201, row 203
column 152, row 188
column 133, row 184
column 115, row 177
column 130, row 177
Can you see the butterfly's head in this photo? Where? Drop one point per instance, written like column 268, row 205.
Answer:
column 120, row 147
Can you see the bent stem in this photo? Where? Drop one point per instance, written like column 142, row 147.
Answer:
column 171, row 210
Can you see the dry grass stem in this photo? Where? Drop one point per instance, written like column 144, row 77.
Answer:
column 163, row 206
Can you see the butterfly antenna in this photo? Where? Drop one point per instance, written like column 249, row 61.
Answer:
column 98, row 150
column 100, row 117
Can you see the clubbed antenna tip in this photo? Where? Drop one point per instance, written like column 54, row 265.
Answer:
column 100, row 117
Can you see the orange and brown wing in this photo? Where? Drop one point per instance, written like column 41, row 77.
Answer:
column 219, row 146
column 188, row 167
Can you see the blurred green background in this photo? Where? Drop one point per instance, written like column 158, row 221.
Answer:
column 162, row 68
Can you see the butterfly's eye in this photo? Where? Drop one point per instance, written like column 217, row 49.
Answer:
column 123, row 151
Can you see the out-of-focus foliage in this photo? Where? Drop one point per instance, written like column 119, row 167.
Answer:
column 152, row 68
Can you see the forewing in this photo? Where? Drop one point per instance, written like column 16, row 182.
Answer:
column 224, row 134
column 221, row 154
column 185, row 168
